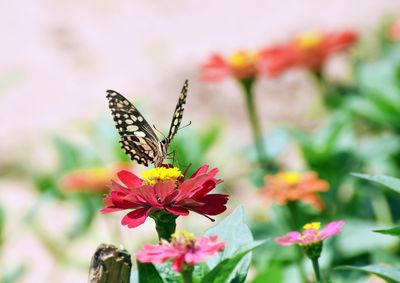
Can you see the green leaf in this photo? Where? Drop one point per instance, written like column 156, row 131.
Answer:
column 147, row 273
column 273, row 272
column 390, row 182
column 14, row 275
column 222, row 272
column 237, row 236
column 393, row 231
column 68, row 154
column 357, row 236
column 388, row 273
column 208, row 137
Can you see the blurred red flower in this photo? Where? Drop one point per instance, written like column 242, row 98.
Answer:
column 164, row 189
column 285, row 187
column 240, row 65
column 394, row 30
column 309, row 50
column 94, row 180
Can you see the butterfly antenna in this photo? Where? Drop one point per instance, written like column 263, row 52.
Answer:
column 159, row 131
column 187, row 125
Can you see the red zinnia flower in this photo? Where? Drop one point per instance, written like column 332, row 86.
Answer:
column 309, row 50
column 164, row 189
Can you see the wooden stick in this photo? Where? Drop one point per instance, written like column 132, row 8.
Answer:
column 110, row 265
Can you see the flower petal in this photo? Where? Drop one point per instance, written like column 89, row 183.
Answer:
column 165, row 191
column 214, row 204
column 290, row 238
column 177, row 210
column 137, row 217
column 129, row 179
column 331, row 229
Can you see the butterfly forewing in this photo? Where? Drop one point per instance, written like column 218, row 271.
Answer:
column 138, row 139
column 178, row 113
column 127, row 118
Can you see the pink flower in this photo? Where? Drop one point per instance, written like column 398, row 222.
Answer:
column 164, row 189
column 184, row 249
column 311, row 234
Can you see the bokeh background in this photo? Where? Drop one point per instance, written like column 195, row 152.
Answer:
column 59, row 57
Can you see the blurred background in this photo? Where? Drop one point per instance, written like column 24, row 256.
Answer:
column 59, row 147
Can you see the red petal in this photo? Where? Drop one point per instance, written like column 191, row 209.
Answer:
column 136, row 217
column 177, row 210
column 129, row 179
column 202, row 170
column 165, row 191
column 189, row 187
column 214, row 204
column 206, row 188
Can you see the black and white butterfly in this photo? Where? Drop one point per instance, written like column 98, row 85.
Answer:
column 138, row 139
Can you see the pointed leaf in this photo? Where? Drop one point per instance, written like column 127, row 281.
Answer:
column 223, row 270
column 237, row 236
column 147, row 273
column 390, row 182
column 387, row 273
column 392, row 231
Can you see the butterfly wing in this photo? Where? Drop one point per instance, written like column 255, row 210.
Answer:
column 178, row 113
column 142, row 150
column 138, row 139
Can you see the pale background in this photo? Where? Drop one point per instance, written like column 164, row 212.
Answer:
column 58, row 58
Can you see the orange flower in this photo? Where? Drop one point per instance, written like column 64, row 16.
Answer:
column 94, row 180
column 394, row 31
column 285, row 187
column 240, row 65
column 309, row 50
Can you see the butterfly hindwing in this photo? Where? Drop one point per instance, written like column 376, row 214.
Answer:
column 142, row 150
column 178, row 113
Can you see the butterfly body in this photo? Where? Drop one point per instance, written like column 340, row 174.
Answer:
column 138, row 139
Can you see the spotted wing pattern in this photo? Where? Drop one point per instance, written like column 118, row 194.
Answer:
column 138, row 139
column 178, row 113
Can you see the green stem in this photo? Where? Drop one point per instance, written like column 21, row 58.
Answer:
column 293, row 221
column 165, row 224
column 247, row 85
column 187, row 275
column 316, row 269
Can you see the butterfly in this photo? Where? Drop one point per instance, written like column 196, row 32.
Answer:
column 138, row 139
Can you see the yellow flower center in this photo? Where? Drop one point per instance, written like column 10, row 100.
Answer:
column 242, row 59
column 312, row 225
column 96, row 171
column 308, row 40
column 291, row 178
column 161, row 174
column 183, row 237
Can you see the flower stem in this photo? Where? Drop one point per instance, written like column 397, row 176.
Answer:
column 187, row 275
column 316, row 269
column 165, row 224
column 247, row 85
column 293, row 222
